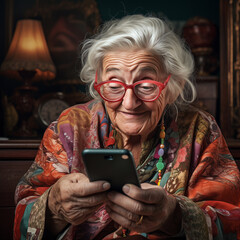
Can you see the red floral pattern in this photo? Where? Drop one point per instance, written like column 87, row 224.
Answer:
column 198, row 166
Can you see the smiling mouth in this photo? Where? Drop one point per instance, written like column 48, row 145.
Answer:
column 132, row 114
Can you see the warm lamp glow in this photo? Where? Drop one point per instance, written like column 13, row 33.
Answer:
column 28, row 51
column 28, row 59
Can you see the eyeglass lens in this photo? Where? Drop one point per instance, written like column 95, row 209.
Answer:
column 114, row 91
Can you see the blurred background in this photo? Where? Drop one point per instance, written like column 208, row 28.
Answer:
column 40, row 44
column 31, row 101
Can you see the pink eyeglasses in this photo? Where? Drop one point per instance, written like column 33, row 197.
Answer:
column 114, row 91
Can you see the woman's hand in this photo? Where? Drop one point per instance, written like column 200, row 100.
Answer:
column 160, row 211
column 73, row 199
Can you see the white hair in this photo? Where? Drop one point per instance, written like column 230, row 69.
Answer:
column 144, row 33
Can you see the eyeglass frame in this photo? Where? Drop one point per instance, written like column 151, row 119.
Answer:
column 160, row 85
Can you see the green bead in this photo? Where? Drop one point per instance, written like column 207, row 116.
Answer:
column 160, row 165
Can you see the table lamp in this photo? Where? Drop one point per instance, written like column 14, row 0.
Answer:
column 28, row 60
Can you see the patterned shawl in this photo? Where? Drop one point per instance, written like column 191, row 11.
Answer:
column 199, row 171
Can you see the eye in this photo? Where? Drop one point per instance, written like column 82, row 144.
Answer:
column 146, row 88
column 114, row 79
column 114, row 85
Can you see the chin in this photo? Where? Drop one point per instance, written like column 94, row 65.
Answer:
column 131, row 131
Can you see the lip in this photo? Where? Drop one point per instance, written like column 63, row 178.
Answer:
column 132, row 114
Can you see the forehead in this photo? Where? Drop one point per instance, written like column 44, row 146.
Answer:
column 130, row 60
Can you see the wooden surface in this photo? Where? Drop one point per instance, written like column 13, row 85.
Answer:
column 225, row 113
column 18, row 149
column 16, row 156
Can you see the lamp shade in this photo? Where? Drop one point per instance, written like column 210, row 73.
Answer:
column 29, row 52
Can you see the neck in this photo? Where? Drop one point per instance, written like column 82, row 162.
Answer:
column 133, row 144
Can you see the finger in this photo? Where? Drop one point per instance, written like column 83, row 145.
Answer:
column 150, row 195
column 86, row 188
column 77, row 217
column 122, row 211
column 90, row 188
column 79, row 184
column 128, row 224
column 120, row 219
column 74, row 203
column 131, row 204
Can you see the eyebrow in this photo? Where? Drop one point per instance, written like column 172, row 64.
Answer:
column 142, row 70
column 148, row 69
column 112, row 69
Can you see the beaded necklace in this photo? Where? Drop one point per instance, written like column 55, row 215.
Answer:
column 160, row 164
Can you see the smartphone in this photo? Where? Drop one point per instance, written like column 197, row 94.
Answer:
column 116, row 166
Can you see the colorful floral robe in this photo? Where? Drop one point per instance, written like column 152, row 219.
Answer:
column 199, row 171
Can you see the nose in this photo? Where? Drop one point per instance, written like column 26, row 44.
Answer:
column 130, row 100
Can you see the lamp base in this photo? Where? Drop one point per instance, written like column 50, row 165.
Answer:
column 24, row 105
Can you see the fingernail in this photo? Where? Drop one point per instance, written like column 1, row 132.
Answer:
column 106, row 185
column 126, row 188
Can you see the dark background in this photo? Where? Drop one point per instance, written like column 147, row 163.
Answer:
column 176, row 11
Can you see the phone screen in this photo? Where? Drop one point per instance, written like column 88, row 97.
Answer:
column 113, row 165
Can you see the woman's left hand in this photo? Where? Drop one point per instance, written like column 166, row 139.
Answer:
column 160, row 211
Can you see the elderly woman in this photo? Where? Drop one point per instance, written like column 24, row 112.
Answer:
column 139, row 74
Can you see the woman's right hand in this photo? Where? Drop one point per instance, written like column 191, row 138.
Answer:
column 73, row 198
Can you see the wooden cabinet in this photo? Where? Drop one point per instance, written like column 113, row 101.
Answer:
column 15, row 159
column 230, row 72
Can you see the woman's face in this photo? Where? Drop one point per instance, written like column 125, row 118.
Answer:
column 132, row 116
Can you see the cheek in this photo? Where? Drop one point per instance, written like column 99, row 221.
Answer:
column 162, row 102
column 158, row 108
column 111, row 109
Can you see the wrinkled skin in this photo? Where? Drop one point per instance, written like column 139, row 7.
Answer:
column 132, row 116
column 73, row 199
column 160, row 211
